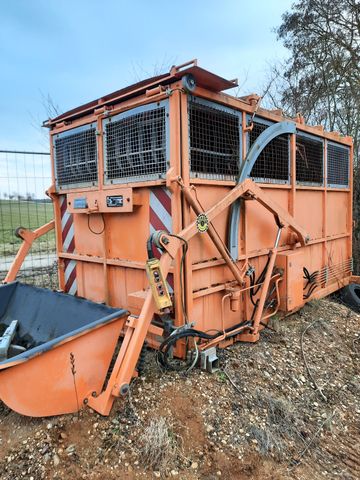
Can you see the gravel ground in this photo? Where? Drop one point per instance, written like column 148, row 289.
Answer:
column 264, row 415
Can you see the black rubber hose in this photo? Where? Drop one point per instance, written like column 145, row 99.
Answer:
column 252, row 283
column 311, row 290
column 306, row 273
column 149, row 245
column 261, row 277
column 170, row 342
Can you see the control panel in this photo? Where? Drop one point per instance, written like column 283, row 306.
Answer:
column 114, row 201
column 158, row 284
column 80, row 202
column 118, row 200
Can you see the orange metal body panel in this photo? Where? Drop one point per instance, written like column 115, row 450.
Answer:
column 291, row 289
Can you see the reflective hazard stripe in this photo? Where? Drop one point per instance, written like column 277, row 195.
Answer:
column 68, row 246
column 160, row 219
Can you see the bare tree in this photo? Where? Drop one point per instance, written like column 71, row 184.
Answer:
column 139, row 72
column 51, row 108
column 321, row 77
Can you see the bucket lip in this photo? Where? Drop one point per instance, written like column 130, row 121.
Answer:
column 60, row 293
column 38, row 350
column 45, row 347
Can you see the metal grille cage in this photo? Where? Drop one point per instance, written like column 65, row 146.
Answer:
column 136, row 145
column 337, row 165
column 214, row 141
column 272, row 165
column 309, row 160
column 76, row 157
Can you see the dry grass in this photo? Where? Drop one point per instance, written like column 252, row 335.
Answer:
column 281, row 425
column 277, row 324
column 161, row 447
column 266, row 443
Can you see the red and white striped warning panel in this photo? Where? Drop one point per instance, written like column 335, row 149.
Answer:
column 160, row 219
column 68, row 246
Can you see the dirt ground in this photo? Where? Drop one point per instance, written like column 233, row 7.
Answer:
column 263, row 415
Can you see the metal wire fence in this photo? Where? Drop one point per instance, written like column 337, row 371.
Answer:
column 24, row 178
column 214, row 141
column 135, row 145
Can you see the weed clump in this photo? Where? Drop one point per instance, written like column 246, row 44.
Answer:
column 160, row 446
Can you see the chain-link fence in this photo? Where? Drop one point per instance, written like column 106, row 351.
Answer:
column 24, row 178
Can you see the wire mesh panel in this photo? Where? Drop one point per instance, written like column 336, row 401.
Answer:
column 309, row 160
column 272, row 165
column 24, row 177
column 136, row 144
column 214, row 138
column 338, row 160
column 75, row 156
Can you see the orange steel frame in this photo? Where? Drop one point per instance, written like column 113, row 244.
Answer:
column 28, row 238
column 315, row 222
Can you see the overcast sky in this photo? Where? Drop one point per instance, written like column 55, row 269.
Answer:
column 78, row 50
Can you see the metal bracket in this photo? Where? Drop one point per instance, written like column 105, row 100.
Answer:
column 209, row 360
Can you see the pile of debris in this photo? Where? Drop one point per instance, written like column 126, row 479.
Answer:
column 286, row 407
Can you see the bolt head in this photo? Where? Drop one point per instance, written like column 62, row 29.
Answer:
column 124, row 389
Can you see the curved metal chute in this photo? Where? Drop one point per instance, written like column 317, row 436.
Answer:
column 261, row 142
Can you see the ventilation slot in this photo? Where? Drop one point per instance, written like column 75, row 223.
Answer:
column 214, row 142
column 135, row 145
column 76, row 157
column 272, row 165
column 337, row 165
column 309, row 161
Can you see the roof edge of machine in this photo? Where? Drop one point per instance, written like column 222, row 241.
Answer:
column 204, row 78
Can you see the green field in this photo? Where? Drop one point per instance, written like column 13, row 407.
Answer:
column 28, row 214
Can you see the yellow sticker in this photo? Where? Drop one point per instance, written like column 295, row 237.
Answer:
column 202, row 223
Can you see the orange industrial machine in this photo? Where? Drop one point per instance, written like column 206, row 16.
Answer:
column 201, row 214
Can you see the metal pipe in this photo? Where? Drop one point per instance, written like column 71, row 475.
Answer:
column 265, row 287
column 266, row 317
column 28, row 238
column 278, row 237
column 227, row 295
